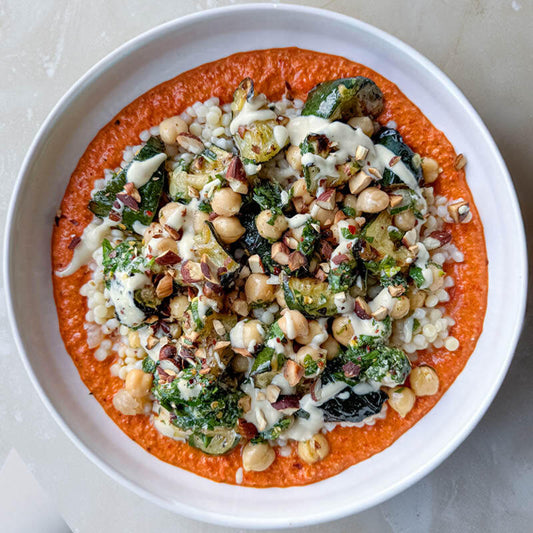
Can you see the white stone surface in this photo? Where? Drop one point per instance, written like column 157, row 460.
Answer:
column 485, row 46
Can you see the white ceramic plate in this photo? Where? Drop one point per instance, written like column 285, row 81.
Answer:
column 156, row 56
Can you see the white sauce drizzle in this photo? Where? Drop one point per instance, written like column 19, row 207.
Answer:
column 251, row 112
column 91, row 240
column 140, row 172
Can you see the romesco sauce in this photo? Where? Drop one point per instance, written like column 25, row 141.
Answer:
column 269, row 69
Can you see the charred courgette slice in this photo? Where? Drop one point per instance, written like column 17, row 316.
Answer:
column 310, row 296
column 215, row 442
column 254, row 125
column 378, row 237
column 344, row 98
column 208, row 243
column 211, row 164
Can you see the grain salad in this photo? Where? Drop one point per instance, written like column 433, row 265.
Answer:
column 262, row 272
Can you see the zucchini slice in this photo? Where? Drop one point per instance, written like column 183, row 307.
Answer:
column 218, row 441
column 321, row 146
column 310, row 296
column 211, row 164
column 392, row 140
column 377, row 235
column 255, row 139
column 348, row 406
column 208, row 243
column 344, row 98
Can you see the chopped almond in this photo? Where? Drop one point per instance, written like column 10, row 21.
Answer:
column 380, row 313
column 280, row 253
column 459, row 211
column 293, row 372
column 359, row 182
column 165, row 287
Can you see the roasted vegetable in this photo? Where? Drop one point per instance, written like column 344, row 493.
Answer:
column 309, row 296
column 253, row 125
column 370, row 360
column 344, row 276
column 210, row 165
column 348, row 406
column 320, row 146
column 344, row 98
column 142, row 212
column 275, row 431
column 199, row 404
column 217, row 441
column 221, row 263
column 130, row 289
column 376, row 234
column 393, row 141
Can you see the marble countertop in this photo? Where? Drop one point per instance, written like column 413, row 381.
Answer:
column 485, row 46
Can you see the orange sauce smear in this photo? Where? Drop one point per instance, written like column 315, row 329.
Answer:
column 269, row 69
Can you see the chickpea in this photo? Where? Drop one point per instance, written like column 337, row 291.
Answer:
column 299, row 190
column 252, row 332
column 162, row 245
column 229, row 229
column 226, row 202
column 280, row 298
column 438, row 278
column 151, row 231
column 313, row 450
column 294, row 157
column 325, row 217
column 173, row 215
column 125, row 403
column 332, row 348
column 314, row 329
column 342, row 330
column 178, row 305
column 401, row 399
column 430, row 170
column 317, row 354
column 293, row 324
column 138, row 383
column 199, row 219
column 400, row 307
column 372, row 200
column 257, row 457
column 416, row 297
column 405, row 220
column 170, row 128
column 258, row 290
column 365, row 123
column 424, row 380
column 240, row 363
column 270, row 231
column 350, row 200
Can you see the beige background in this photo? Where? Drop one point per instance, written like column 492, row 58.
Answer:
column 484, row 46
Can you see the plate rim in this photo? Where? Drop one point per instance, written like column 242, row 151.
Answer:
column 107, row 62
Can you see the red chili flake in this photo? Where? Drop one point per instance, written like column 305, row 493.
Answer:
column 352, row 229
column 149, row 213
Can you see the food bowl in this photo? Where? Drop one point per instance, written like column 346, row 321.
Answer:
column 154, row 57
